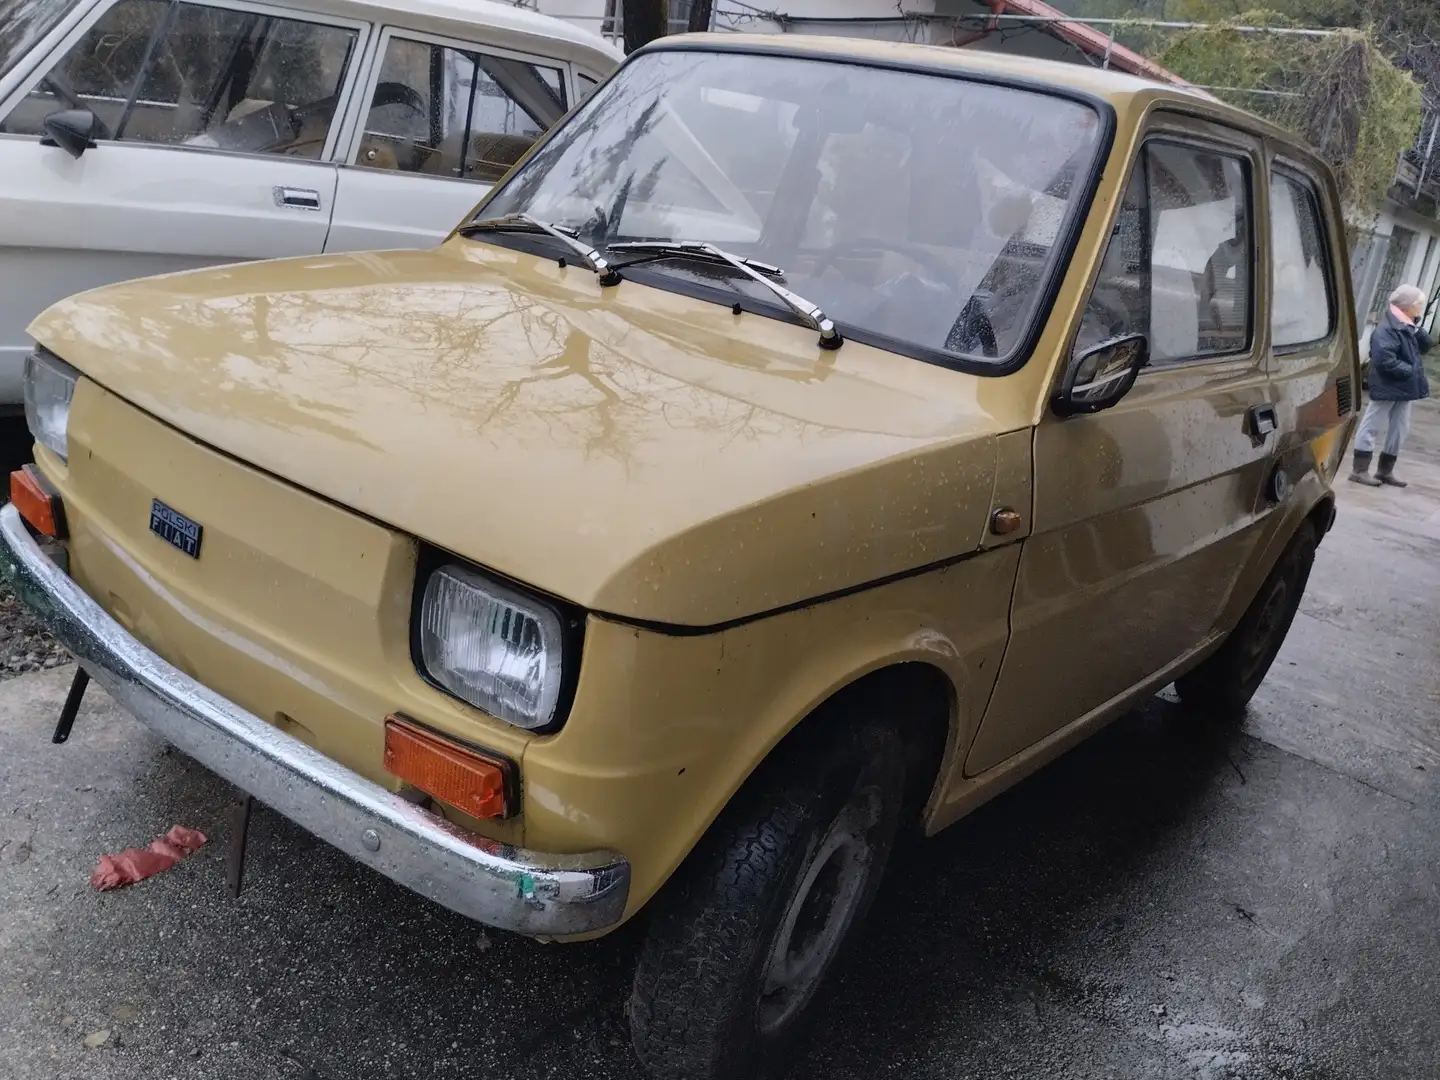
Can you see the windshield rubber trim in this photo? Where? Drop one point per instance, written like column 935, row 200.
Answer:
column 1066, row 239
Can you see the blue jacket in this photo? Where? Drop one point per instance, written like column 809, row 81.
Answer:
column 1397, row 372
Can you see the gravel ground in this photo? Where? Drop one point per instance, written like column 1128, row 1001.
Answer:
column 24, row 646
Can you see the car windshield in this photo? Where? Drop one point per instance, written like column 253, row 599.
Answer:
column 920, row 211
column 24, row 22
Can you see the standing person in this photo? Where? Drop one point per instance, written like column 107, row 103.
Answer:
column 1397, row 381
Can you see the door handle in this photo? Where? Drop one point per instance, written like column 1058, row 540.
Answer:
column 1260, row 423
column 297, row 198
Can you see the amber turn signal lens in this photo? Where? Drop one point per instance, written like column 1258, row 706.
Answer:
column 37, row 504
column 454, row 774
column 1005, row 521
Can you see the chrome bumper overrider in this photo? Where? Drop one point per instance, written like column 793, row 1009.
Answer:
column 502, row 886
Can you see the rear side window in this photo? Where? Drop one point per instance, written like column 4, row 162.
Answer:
column 457, row 113
column 1179, row 267
column 1303, row 306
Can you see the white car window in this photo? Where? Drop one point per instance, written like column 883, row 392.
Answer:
column 153, row 71
column 457, row 113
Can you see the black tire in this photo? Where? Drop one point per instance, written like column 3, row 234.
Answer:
column 1228, row 679
column 798, row 854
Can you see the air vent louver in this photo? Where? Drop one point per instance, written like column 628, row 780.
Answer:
column 1344, row 396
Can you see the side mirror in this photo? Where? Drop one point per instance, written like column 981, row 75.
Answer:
column 1100, row 376
column 70, row 130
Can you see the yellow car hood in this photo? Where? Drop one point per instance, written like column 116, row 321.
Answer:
column 628, row 449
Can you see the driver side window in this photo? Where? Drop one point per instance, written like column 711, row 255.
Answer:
column 1119, row 304
column 1178, row 267
column 159, row 71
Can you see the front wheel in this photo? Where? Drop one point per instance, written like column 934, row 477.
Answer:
column 1228, row 679
column 751, row 924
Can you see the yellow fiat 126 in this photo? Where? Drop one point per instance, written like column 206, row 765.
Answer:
column 804, row 442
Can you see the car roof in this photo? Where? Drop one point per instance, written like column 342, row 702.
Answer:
column 1082, row 78
column 449, row 16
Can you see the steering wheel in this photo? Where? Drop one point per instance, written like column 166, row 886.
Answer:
column 973, row 328
column 1112, row 312
column 972, row 331
column 386, row 93
column 904, row 248
column 397, row 93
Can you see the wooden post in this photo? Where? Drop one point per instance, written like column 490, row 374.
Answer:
column 701, row 12
column 644, row 21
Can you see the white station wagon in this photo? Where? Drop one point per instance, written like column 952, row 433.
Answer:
column 139, row 137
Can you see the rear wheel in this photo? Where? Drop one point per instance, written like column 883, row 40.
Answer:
column 745, row 933
column 1228, row 679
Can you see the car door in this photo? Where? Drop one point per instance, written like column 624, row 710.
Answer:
column 445, row 120
column 1144, row 514
column 212, row 123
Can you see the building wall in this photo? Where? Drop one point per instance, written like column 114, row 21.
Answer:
column 1373, row 266
column 741, row 16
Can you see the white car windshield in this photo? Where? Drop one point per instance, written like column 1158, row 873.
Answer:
column 922, row 212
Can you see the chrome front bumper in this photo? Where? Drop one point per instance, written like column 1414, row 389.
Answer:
column 502, row 886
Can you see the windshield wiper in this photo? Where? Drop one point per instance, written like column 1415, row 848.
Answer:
column 650, row 250
column 525, row 223
column 814, row 318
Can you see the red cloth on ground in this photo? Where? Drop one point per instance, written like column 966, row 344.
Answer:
column 137, row 864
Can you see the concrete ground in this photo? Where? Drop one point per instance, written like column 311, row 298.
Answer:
column 1172, row 900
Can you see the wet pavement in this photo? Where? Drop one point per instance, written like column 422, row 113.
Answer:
column 1174, row 899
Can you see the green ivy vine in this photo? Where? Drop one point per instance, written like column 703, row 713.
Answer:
column 1339, row 92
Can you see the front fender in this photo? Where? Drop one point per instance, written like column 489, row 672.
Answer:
column 667, row 727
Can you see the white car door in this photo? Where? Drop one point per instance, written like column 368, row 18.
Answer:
column 212, row 126
column 445, row 120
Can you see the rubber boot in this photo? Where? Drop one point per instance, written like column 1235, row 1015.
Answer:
column 1361, row 473
column 1386, row 472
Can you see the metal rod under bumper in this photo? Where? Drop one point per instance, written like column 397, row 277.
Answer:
column 502, row 886
column 72, row 706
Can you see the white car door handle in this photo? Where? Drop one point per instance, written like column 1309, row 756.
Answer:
column 297, row 198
